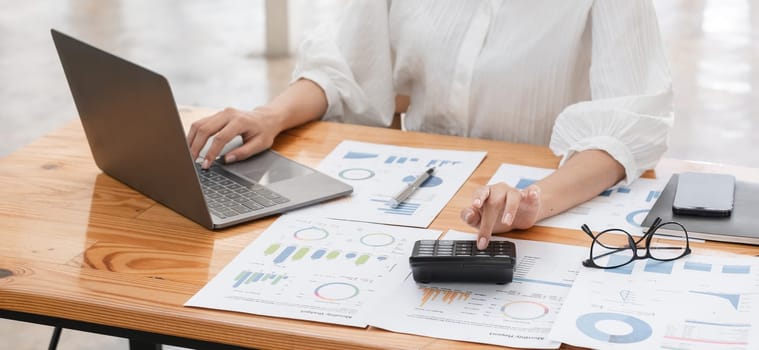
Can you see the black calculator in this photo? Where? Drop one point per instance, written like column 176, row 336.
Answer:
column 461, row 261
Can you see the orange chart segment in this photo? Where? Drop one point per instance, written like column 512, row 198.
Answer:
column 447, row 296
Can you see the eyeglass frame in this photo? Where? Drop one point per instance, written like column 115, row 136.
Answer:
column 633, row 244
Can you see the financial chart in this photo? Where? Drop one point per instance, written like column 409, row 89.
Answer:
column 315, row 269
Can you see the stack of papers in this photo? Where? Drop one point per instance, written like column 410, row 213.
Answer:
column 355, row 272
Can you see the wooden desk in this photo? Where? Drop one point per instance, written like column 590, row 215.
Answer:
column 84, row 251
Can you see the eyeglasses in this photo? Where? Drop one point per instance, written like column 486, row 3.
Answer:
column 616, row 247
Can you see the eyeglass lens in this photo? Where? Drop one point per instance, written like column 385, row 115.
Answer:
column 612, row 249
column 668, row 242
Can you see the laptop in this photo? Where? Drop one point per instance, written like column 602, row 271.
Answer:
column 136, row 136
column 739, row 227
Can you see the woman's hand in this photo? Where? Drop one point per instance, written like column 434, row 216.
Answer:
column 502, row 208
column 257, row 128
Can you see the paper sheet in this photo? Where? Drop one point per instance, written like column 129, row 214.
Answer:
column 377, row 172
column 517, row 314
column 697, row 302
column 622, row 206
column 314, row 269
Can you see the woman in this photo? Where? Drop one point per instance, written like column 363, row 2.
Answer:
column 588, row 78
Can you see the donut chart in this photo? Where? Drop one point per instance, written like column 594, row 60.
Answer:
column 613, row 327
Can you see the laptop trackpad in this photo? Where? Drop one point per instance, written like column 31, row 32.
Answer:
column 268, row 167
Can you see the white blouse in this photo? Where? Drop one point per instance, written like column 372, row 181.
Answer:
column 576, row 75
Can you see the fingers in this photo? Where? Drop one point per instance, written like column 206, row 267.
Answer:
column 223, row 127
column 511, row 206
column 226, row 134
column 203, row 129
column 470, row 216
column 490, row 212
column 480, row 196
column 532, row 196
column 249, row 147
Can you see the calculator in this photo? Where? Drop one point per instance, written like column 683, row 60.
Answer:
column 461, row 261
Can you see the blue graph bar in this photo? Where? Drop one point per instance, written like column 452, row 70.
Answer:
column 284, row 254
column 523, row 183
column 619, row 259
column 390, row 160
column 441, row 163
column 241, row 278
column 402, row 160
column 624, row 190
column 359, row 155
column 663, row 267
column 318, row 254
column 696, row 266
column 652, row 195
column 737, row 269
column 256, row 276
column 606, row 193
column 402, row 209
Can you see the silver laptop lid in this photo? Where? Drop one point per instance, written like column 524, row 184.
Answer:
column 136, row 136
column 117, row 101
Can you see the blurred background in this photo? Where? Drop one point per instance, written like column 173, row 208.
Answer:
column 239, row 53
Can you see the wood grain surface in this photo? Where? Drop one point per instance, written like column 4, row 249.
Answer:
column 80, row 245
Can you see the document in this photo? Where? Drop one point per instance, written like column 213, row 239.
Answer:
column 622, row 206
column 377, row 172
column 518, row 314
column 697, row 302
column 314, row 269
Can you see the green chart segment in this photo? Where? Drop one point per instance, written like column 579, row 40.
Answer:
column 284, row 253
column 247, row 277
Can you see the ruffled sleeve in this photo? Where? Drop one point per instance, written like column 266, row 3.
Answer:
column 353, row 65
column 630, row 112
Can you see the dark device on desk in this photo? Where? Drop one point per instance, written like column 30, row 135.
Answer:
column 704, row 194
column 136, row 136
column 461, row 261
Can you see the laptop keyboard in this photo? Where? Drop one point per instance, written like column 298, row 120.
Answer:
column 227, row 197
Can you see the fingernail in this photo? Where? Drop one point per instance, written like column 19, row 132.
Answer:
column 482, row 243
column 230, row 158
column 477, row 203
column 205, row 164
column 507, row 218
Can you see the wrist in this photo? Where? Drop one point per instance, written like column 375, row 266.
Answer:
column 273, row 117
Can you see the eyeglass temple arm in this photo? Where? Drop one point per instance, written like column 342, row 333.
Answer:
column 587, row 231
column 654, row 226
